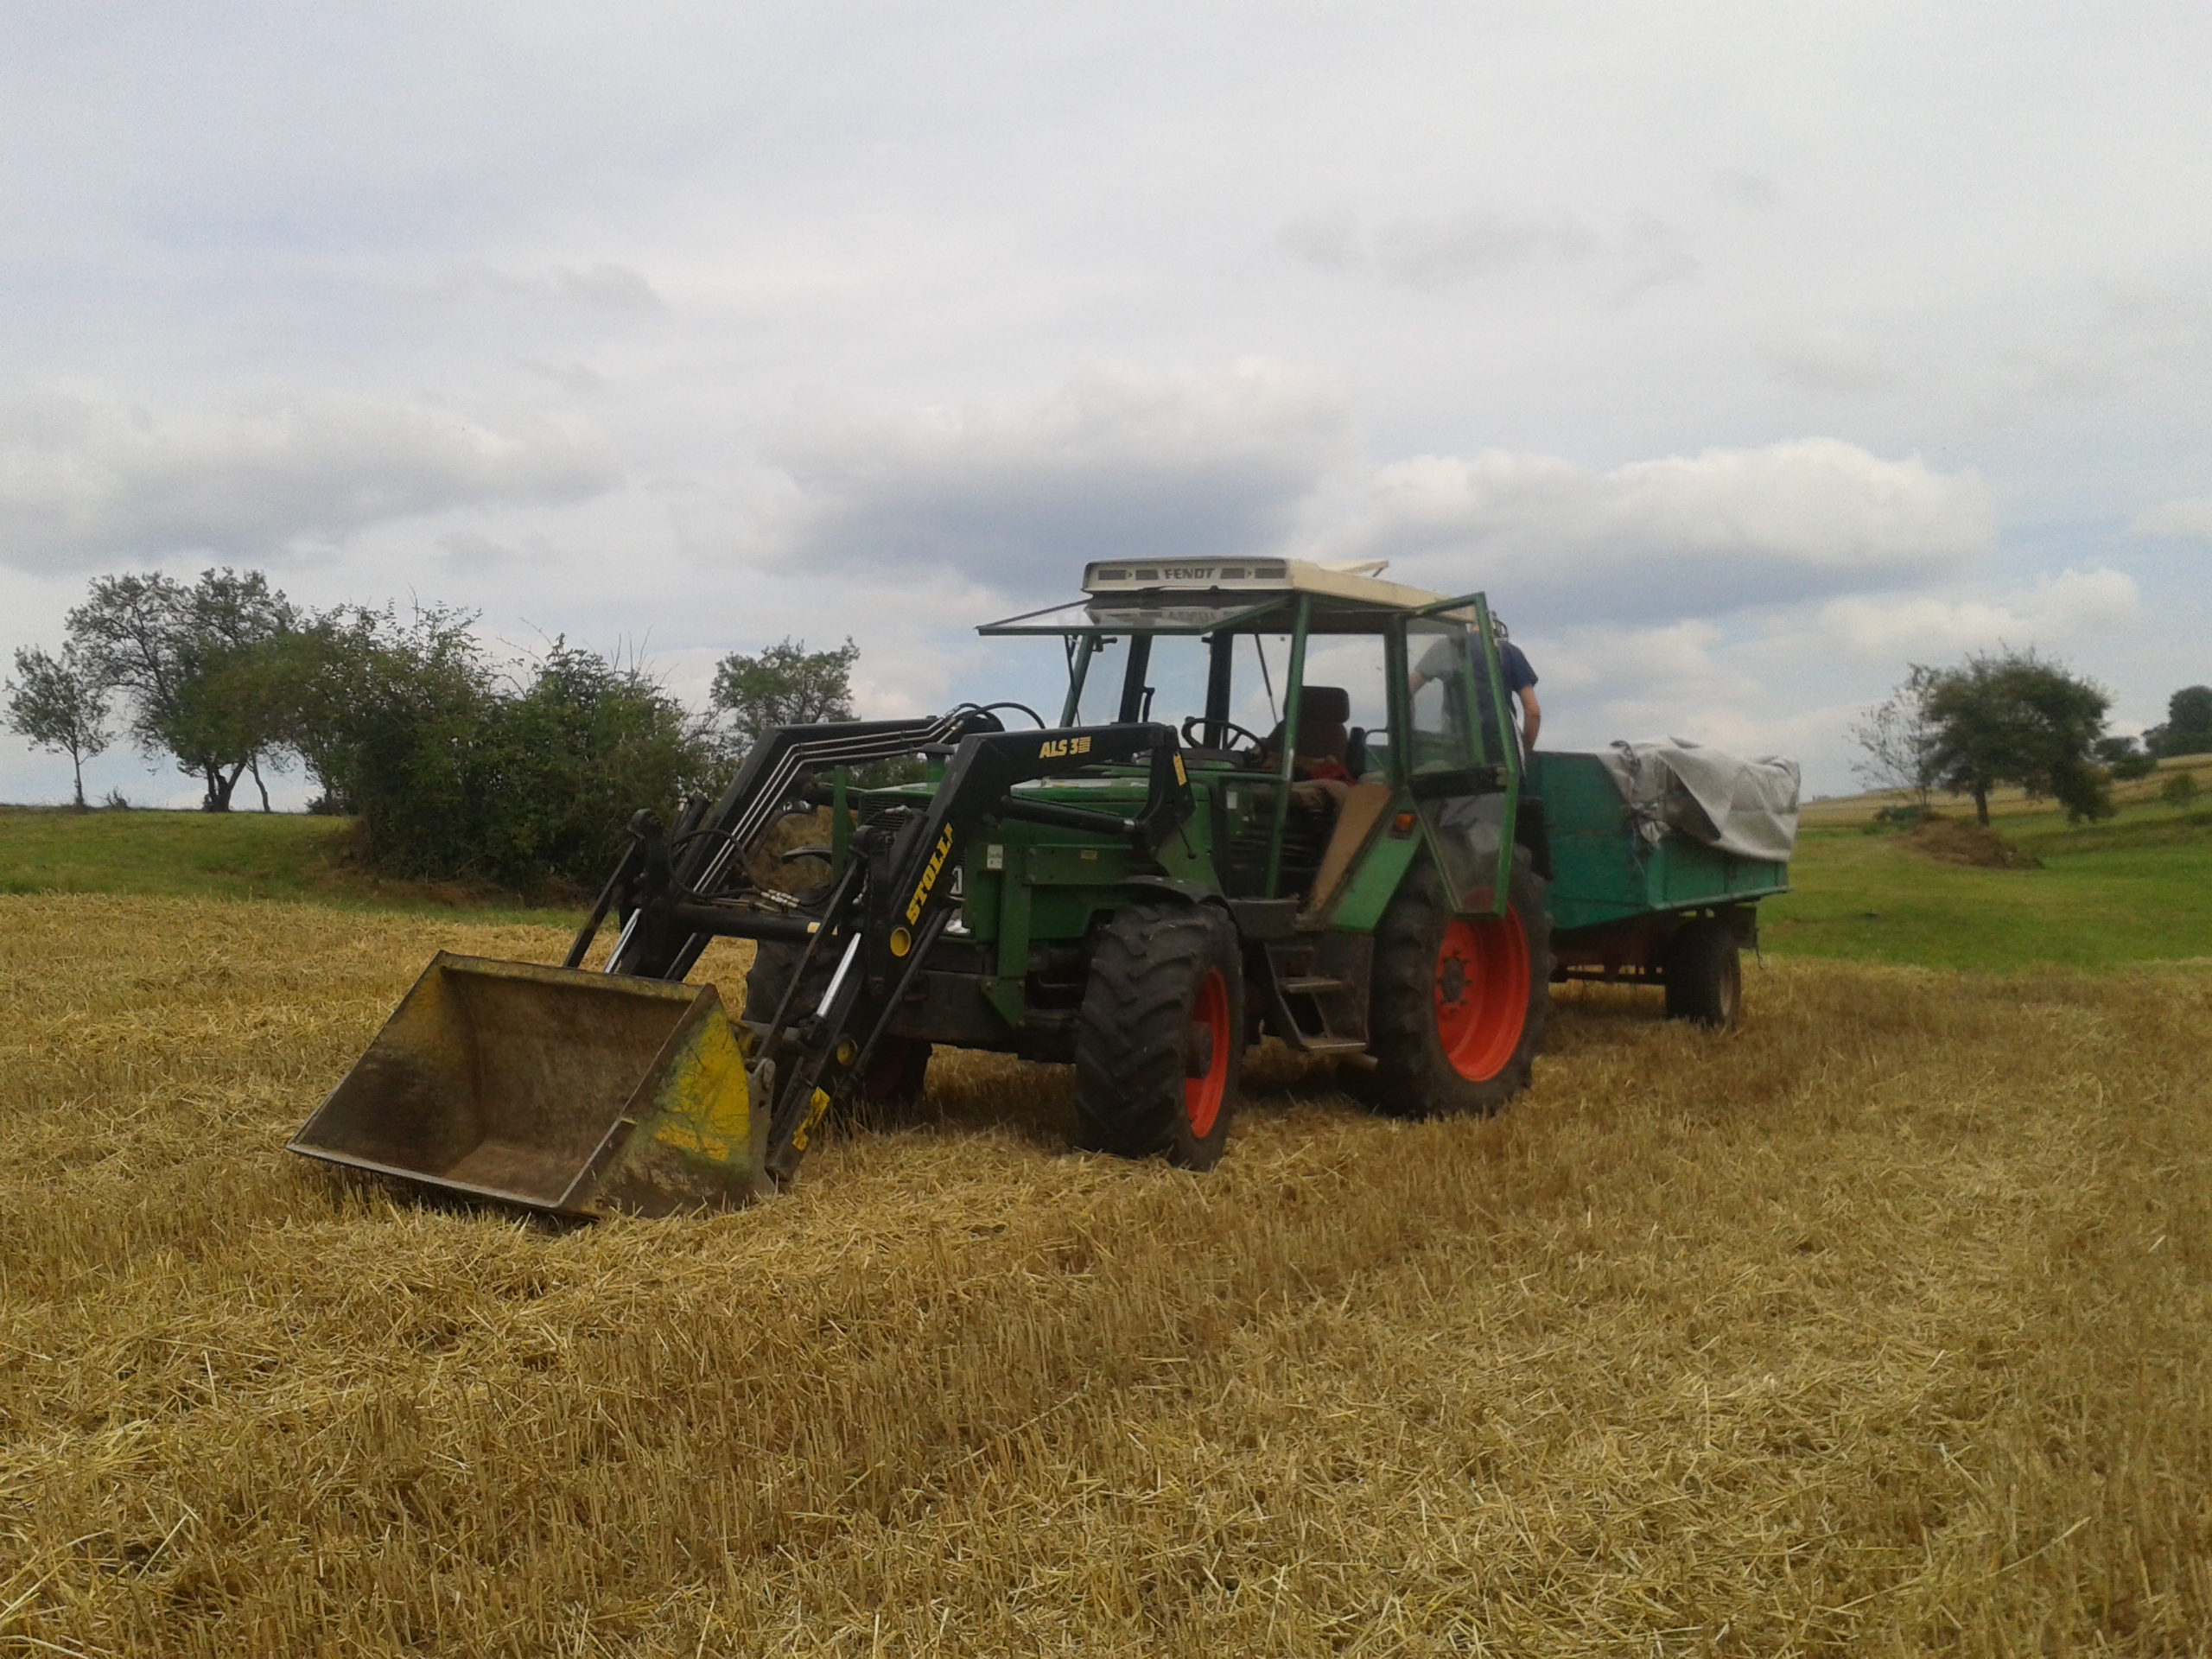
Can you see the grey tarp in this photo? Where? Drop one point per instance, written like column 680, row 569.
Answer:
column 1746, row 807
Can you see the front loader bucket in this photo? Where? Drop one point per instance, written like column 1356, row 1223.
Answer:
column 573, row 1093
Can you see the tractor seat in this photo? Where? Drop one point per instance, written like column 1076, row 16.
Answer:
column 1323, row 734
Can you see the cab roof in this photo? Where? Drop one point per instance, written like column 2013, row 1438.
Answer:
column 1194, row 595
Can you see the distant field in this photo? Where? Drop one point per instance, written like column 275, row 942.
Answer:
column 1877, row 1327
column 233, row 855
column 2135, row 888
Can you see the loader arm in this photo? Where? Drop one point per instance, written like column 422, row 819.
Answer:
column 882, row 924
column 706, row 858
column 675, row 894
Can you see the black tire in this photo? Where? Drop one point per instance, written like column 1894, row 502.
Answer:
column 1165, row 994
column 1456, row 1031
column 770, row 975
column 1704, row 974
column 897, row 1072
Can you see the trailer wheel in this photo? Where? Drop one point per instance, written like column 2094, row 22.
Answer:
column 1455, row 1009
column 1160, row 1046
column 1704, row 974
column 897, row 1072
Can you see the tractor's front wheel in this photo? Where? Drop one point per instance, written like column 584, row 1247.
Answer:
column 1161, row 1045
column 1456, row 1007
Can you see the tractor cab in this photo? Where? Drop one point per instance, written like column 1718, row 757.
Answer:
column 1325, row 711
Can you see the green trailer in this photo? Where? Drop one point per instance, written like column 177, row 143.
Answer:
column 1638, row 900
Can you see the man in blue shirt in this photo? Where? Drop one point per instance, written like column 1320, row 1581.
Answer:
column 1442, row 659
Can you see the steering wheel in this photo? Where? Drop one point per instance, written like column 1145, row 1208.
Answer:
column 1225, row 728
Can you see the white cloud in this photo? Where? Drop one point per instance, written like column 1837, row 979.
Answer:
column 1015, row 495
column 2068, row 606
column 1686, row 679
column 85, row 480
column 2181, row 521
column 1711, row 532
column 1580, row 660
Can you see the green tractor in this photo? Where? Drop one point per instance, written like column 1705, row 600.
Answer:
column 1280, row 798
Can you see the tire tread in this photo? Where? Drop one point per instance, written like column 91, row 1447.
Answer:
column 1129, row 1057
column 1411, row 1077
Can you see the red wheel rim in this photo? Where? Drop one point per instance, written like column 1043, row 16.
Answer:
column 1482, row 993
column 1209, row 1014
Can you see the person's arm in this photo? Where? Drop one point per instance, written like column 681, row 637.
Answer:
column 1439, row 662
column 1532, row 717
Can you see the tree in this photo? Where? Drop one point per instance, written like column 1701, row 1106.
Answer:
column 785, row 685
column 381, row 711
column 2123, row 760
column 2015, row 718
column 200, row 666
column 58, row 704
column 1895, row 739
column 2188, row 729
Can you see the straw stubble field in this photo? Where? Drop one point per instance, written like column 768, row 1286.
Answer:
column 1879, row 1325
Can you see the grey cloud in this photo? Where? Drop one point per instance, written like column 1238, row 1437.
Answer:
column 1432, row 254
column 579, row 379
column 1017, row 495
column 1660, row 256
column 1326, row 241
column 1752, row 191
column 472, row 550
column 2186, row 520
column 1440, row 251
column 1711, row 533
column 83, row 480
column 602, row 287
column 1827, row 360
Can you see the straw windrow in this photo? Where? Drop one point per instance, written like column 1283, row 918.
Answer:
column 1878, row 1327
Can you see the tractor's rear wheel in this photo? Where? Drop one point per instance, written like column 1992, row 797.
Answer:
column 1159, row 1048
column 1456, row 1007
column 1704, row 974
column 897, row 1071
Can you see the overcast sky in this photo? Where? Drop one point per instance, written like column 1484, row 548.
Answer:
column 1744, row 355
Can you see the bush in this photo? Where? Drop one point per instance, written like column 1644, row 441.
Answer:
column 1904, row 815
column 569, row 760
column 2124, row 759
column 457, row 774
column 2180, row 789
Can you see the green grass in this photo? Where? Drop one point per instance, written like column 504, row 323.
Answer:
column 2136, row 888
column 234, row 855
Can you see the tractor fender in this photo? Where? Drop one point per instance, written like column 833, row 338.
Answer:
column 1192, row 892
